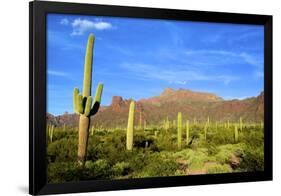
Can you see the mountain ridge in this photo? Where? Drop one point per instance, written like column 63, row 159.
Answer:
column 153, row 110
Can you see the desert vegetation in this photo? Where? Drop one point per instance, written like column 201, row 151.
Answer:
column 204, row 148
column 177, row 133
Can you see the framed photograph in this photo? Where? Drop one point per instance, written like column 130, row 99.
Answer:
column 132, row 97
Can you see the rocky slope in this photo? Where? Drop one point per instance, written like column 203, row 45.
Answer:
column 154, row 110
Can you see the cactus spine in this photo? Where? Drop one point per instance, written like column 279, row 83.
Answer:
column 83, row 102
column 187, row 132
column 179, row 130
column 130, row 128
column 236, row 134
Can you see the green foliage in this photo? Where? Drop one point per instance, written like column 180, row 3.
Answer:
column 108, row 157
column 218, row 168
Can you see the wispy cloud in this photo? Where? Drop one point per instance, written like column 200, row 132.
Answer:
column 146, row 71
column 64, row 21
column 57, row 73
column 225, row 56
column 80, row 26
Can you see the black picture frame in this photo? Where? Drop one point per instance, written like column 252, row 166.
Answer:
column 37, row 97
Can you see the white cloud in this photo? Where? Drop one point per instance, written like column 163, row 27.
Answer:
column 64, row 21
column 80, row 26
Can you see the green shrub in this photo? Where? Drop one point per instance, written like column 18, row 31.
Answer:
column 218, row 168
column 121, row 169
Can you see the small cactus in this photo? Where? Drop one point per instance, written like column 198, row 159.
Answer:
column 236, row 134
column 140, row 120
column 92, row 131
column 241, row 124
column 51, row 132
column 130, row 128
column 167, row 124
column 187, row 132
column 179, row 130
column 205, row 130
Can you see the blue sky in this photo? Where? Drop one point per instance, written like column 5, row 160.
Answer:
column 139, row 58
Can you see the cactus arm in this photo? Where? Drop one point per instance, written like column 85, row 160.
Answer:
column 98, row 93
column 75, row 100
column 88, row 67
column 97, row 99
column 88, row 106
column 80, row 108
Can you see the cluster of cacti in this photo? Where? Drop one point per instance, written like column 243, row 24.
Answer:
column 51, row 132
column 179, row 130
column 83, row 102
column 187, row 132
column 130, row 128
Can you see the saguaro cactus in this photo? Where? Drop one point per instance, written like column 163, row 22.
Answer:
column 205, row 130
column 130, row 128
column 167, row 124
column 51, row 132
column 240, row 123
column 83, row 102
column 187, row 132
column 140, row 120
column 236, row 134
column 179, row 130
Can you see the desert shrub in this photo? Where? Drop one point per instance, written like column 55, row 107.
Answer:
column 62, row 150
column 158, row 167
column 63, row 171
column 253, row 159
column 225, row 152
column 218, row 168
column 121, row 169
column 101, row 169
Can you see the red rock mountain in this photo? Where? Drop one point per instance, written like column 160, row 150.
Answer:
column 154, row 110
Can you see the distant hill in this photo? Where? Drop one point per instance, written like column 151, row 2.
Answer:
column 154, row 110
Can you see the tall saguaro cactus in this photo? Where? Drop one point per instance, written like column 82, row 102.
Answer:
column 130, row 128
column 179, row 130
column 83, row 102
